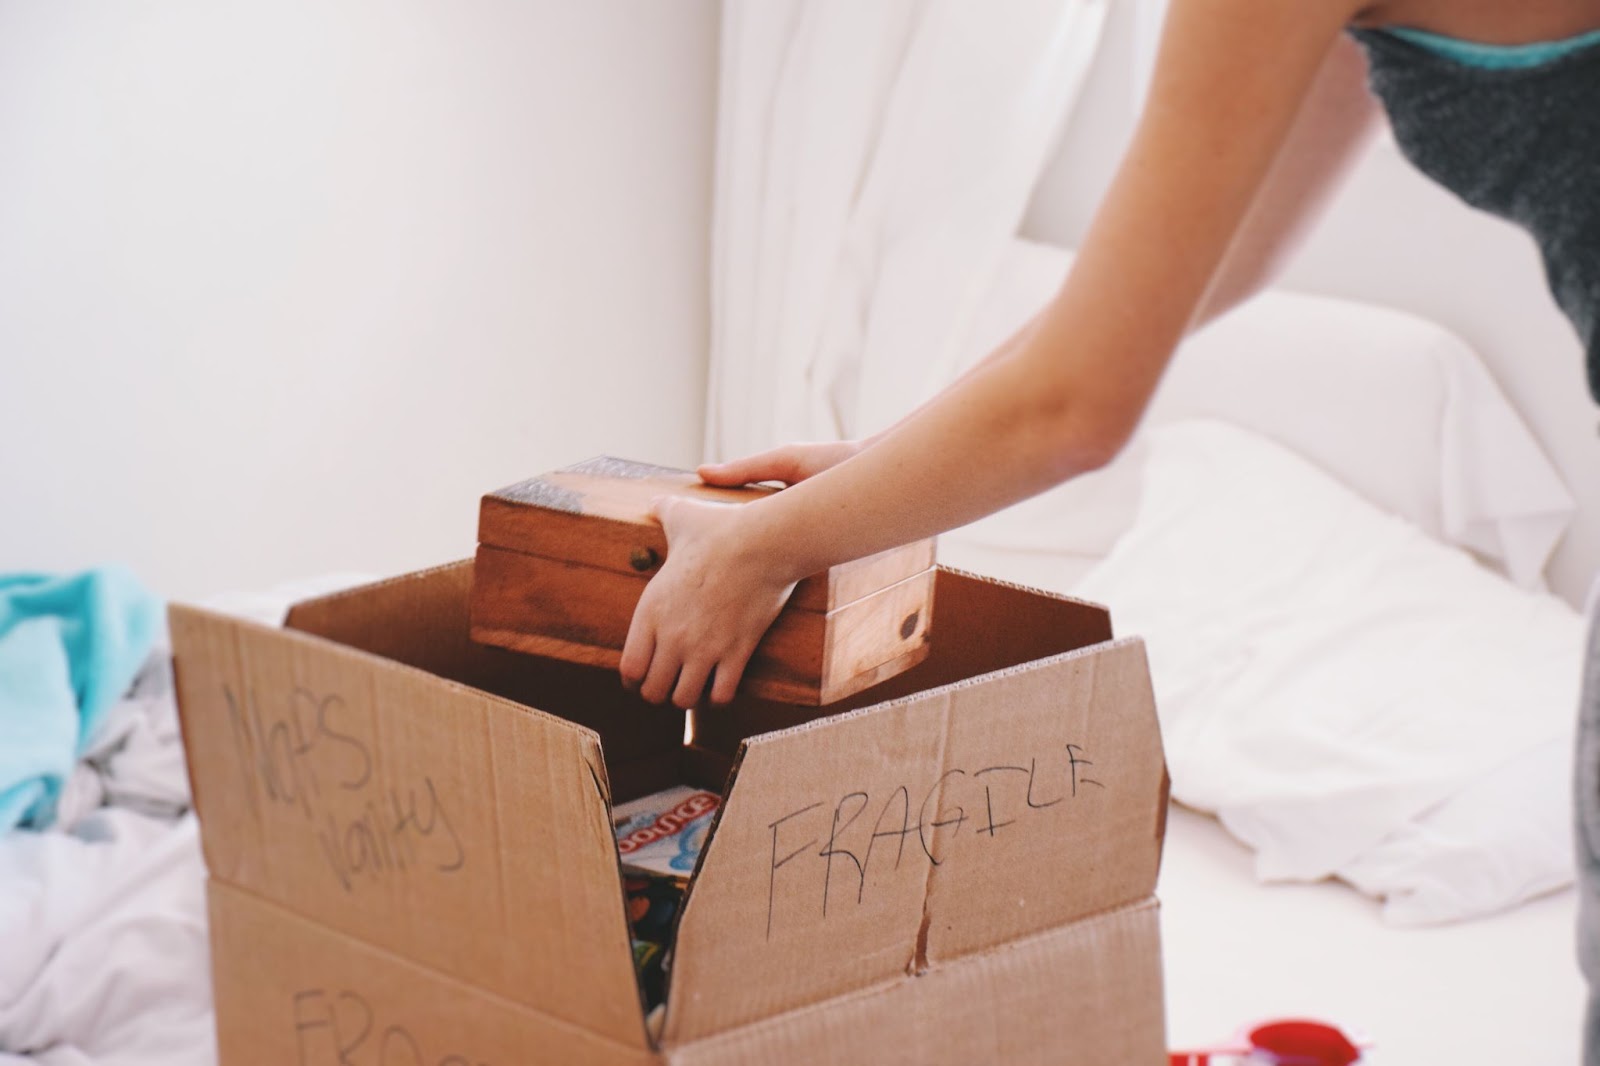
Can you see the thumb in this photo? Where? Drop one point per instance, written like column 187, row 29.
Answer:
column 666, row 509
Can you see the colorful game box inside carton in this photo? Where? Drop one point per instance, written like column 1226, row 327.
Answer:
column 413, row 855
column 659, row 840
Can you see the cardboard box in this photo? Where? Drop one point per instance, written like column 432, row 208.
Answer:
column 412, row 861
column 564, row 557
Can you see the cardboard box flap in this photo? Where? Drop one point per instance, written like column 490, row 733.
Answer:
column 421, row 620
column 984, row 625
column 290, row 991
column 598, row 513
column 411, row 812
column 1087, row 994
column 887, row 840
column 1073, row 748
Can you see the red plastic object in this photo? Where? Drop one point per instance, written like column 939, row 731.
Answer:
column 1290, row 1042
column 1302, row 1043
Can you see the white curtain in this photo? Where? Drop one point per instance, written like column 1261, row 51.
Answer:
column 873, row 159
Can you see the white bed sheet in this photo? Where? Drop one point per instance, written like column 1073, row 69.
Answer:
column 1504, row 989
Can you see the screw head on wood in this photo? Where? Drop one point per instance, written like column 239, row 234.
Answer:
column 642, row 559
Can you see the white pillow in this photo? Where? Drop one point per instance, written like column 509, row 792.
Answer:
column 1327, row 675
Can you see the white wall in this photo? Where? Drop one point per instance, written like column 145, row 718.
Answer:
column 284, row 287
column 1391, row 238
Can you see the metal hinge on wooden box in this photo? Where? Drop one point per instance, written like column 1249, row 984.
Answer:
column 563, row 559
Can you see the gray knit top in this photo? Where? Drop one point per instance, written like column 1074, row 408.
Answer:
column 1523, row 144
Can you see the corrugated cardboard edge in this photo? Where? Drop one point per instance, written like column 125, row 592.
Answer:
column 954, row 686
column 295, row 619
column 1087, row 623
column 596, row 766
column 302, row 607
column 1015, row 586
column 858, row 1026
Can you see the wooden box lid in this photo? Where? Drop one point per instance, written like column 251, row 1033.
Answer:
column 564, row 557
column 597, row 513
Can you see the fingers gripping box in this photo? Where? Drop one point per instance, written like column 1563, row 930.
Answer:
column 411, row 854
column 564, row 558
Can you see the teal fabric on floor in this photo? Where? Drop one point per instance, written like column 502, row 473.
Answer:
column 69, row 648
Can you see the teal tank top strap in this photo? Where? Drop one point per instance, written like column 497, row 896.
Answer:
column 1494, row 56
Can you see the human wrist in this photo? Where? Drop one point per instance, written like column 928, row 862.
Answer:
column 762, row 545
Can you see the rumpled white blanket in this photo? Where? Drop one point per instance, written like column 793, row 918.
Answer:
column 135, row 759
column 105, row 958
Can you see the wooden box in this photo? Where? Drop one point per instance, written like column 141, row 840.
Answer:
column 563, row 559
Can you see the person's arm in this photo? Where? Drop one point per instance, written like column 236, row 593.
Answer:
column 1333, row 125
column 793, row 463
column 1230, row 81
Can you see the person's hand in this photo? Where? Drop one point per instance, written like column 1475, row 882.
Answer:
column 789, row 463
column 708, row 606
